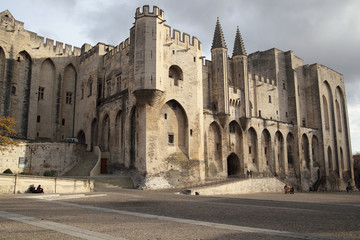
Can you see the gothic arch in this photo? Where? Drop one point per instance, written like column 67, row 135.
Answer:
column 326, row 113
column 46, row 92
column 342, row 158
column 332, row 123
column 176, row 73
column 214, row 143
column 174, row 134
column 235, row 167
column 68, row 97
column 119, row 134
column 279, row 151
column 305, row 153
column 316, row 152
column 252, row 142
column 235, row 138
column 81, row 137
column 21, row 81
column 105, row 133
column 344, row 123
column 266, row 150
column 290, row 142
column 329, row 158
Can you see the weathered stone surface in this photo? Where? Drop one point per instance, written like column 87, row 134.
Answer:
column 152, row 98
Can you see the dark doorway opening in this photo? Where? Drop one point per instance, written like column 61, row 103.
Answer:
column 233, row 165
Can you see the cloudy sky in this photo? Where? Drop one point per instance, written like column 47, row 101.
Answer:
column 318, row 31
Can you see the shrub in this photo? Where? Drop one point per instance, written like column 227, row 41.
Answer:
column 50, row 173
column 8, row 171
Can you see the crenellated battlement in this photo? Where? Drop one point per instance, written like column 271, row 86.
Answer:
column 117, row 49
column 261, row 80
column 11, row 26
column 175, row 36
column 145, row 11
column 100, row 49
column 57, row 47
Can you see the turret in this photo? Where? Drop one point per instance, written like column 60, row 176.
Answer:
column 240, row 80
column 220, row 88
column 145, row 37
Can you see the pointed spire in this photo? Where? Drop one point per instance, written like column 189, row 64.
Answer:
column 239, row 48
column 218, row 41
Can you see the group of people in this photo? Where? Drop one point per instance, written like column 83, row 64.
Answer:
column 249, row 174
column 289, row 189
column 39, row 189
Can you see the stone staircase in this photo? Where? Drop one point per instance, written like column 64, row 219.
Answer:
column 84, row 166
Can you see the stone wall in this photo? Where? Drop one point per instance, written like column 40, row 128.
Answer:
column 20, row 184
column 36, row 158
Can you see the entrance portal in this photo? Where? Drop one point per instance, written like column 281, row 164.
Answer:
column 233, row 165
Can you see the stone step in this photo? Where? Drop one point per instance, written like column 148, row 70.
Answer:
column 84, row 166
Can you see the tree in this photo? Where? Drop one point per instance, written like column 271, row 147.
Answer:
column 7, row 132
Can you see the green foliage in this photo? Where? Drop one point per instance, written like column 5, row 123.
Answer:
column 7, row 132
column 8, row 171
column 50, row 173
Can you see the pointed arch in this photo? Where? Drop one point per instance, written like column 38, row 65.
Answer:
column 326, row 113
column 342, row 158
column 21, row 83
column 105, row 133
column 173, row 127
column 235, row 138
column 279, row 151
column 290, row 150
column 329, row 158
column 344, row 123
column 68, row 98
column 235, row 167
column 81, row 137
column 175, row 73
column 119, row 134
column 214, row 164
column 46, row 93
column 316, row 153
column 305, row 154
column 252, row 142
column 332, row 123
column 266, row 150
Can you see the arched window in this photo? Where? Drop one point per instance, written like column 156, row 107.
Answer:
column 175, row 73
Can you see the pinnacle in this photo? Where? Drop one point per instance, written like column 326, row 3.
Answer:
column 218, row 41
column 239, row 48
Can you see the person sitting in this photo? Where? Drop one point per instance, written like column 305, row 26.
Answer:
column 39, row 189
column 286, row 189
column 32, row 188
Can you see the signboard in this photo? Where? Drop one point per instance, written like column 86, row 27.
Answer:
column 22, row 162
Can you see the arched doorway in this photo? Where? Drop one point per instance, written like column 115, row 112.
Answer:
column 81, row 137
column 234, row 166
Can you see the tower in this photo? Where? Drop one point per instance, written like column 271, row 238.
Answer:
column 219, row 71
column 240, row 79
